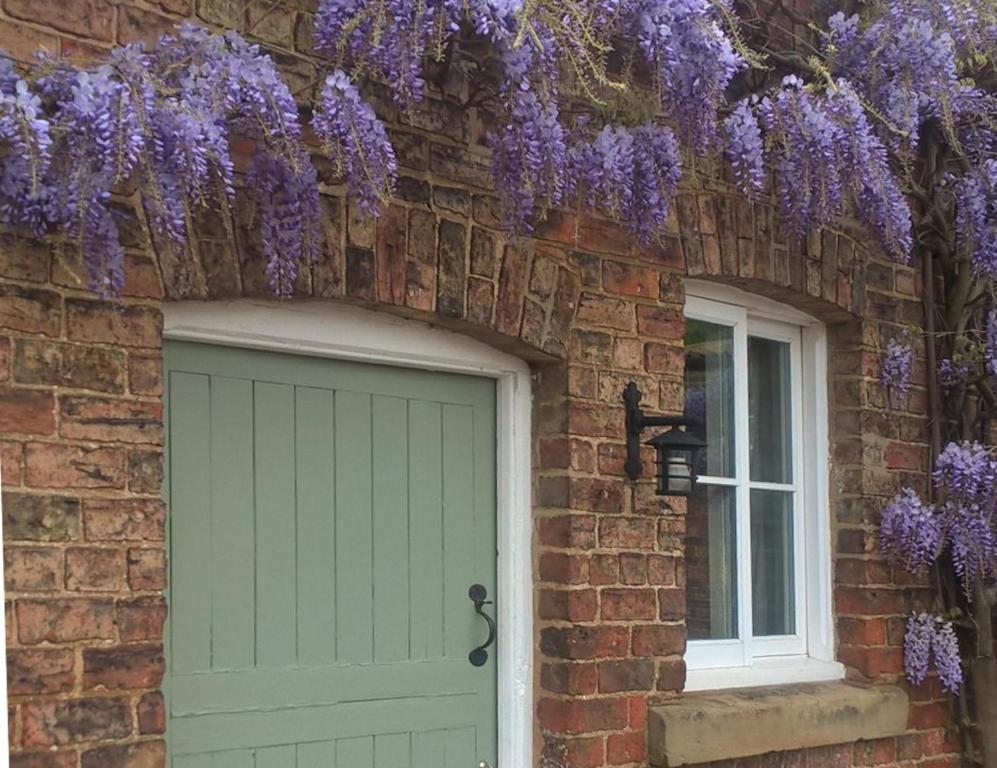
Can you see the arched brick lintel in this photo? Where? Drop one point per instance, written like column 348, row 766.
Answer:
column 460, row 269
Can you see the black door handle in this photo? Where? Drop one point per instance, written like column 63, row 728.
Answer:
column 479, row 596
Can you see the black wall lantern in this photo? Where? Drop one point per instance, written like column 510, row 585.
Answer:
column 674, row 450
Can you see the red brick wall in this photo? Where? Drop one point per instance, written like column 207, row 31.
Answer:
column 81, row 433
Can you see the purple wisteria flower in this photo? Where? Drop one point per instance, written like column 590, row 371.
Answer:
column 917, row 647
column 896, row 366
column 744, row 147
column 991, row 342
column 931, row 639
column 976, row 217
column 357, row 142
column 910, row 531
column 693, row 60
column 953, row 373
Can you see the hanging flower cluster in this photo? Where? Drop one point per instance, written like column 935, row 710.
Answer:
column 628, row 174
column 536, row 162
column 976, row 216
column 932, row 639
column 904, row 64
column 897, row 366
column 161, row 119
column 356, row 142
column 825, row 154
column 915, row 534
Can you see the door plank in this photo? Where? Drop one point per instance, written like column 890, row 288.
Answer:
column 354, row 544
column 461, row 623
column 429, row 750
column 232, row 562
column 315, row 470
column 392, row 750
column 391, row 529
column 426, row 529
column 233, row 758
column 283, row 756
column 275, row 525
column 317, row 754
column 190, row 497
column 461, row 748
column 356, row 753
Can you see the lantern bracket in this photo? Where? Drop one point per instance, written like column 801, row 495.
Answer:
column 636, row 422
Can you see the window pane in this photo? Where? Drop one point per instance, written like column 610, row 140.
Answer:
column 711, row 567
column 709, row 393
column 769, row 411
column 772, row 579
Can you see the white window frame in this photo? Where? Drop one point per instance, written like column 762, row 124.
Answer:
column 326, row 329
column 807, row 655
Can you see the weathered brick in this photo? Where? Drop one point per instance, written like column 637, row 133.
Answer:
column 141, row 619
column 628, row 604
column 627, row 532
column 584, row 642
column 662, row 322
column 32, row 569
column 64, row 620
column 129, row 326
column 151, row 712
column 146, row 569
column 36, row 517
column 30, row 310
column 75, row 720
column 630, row 279
column 27, row 411
column 582, row 715
column 53, row 465
column 606, row 312
column 46, row 759
column 146, row 754
column 90, row 18
column 125, row 667
column 569, row 677
column 91, row 569
column 39, row 671
column 145, row 471
column 145, row 374
column 452, row 260
column 626, row 675
column 360, row 273
column 110, row 420
column 658, row 640
column 73, row 366
column 625, row 748
column 390, row 256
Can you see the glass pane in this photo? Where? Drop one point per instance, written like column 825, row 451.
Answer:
column 711, row 565
column 769, row 411
column 709, row 394
column 773, row 590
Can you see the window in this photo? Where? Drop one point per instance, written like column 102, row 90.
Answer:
column 758, row 536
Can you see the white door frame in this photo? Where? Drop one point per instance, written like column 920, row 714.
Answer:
column 326, row 329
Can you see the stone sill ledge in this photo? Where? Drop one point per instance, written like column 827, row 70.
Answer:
column 721, row 725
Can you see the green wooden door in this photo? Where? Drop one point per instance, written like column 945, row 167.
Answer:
column 326, row 519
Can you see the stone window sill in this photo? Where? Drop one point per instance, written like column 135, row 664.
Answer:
column 722, row 725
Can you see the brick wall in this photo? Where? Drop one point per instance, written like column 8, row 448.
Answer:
column 81, row 432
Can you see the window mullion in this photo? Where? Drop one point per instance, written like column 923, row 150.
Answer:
column 743, row 503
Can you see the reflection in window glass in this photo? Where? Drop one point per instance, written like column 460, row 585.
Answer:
column 709, row 394
column 711, row 580
column 772, row 582
column 769, row 411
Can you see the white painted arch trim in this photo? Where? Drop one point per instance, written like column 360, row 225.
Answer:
column 324, row 329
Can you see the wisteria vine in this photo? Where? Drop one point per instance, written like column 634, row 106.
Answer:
column 599, row 105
